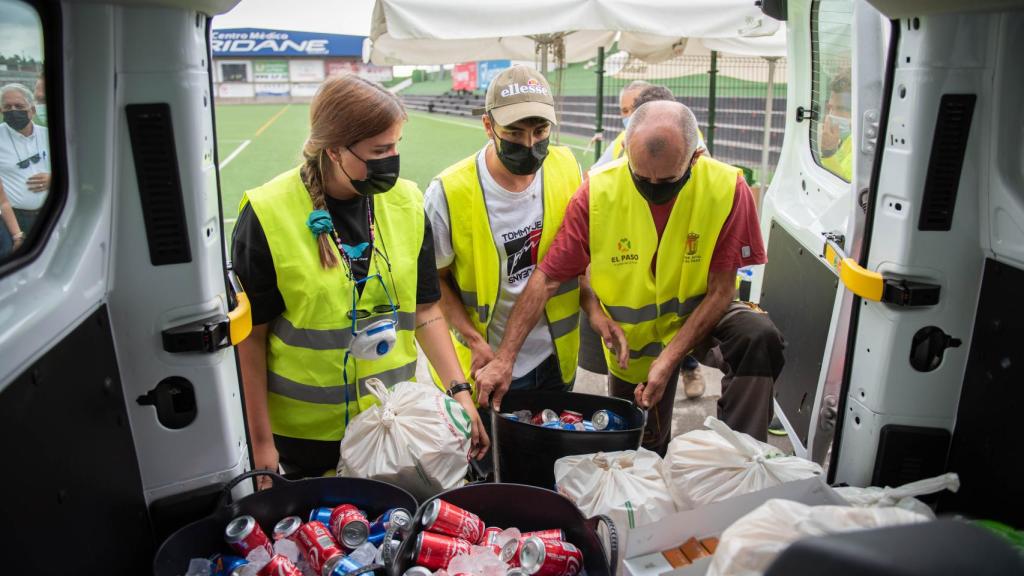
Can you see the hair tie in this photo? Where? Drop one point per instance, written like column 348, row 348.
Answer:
column 319, row 222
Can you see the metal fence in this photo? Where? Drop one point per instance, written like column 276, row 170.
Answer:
column 728, row 95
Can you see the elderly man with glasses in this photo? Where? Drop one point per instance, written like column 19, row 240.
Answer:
column 24, row 165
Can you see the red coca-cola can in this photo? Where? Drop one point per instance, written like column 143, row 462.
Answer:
column 510, row 552
column 279, row 566
column 570, row 417
column 316, row 544
column 245, row 535
column 552, row 534
column 448, row 519
column 435, row 551
column 287, row 527
column 349, row 526
column 540, row 557
column 490, row 536
column 545, row 415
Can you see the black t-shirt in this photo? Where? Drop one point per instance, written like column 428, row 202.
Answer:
column 254, row 265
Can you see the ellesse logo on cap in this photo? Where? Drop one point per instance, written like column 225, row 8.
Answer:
column 532, row 86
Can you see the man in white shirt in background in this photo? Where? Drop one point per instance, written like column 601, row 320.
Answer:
column 24, row 164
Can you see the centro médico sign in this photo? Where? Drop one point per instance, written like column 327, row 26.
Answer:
column 258, row 42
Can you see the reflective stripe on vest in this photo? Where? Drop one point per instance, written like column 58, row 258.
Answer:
column 476, row 269
column 623, row 244
column 306, row 345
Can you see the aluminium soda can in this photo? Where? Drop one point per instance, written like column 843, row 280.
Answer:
column 540, row 557
column 545, row 415
column 570, row 416
column 418, row 571
column 340, row 565
column 608, row 420
column 511, row 417
column 588, row 426
column 510, row 552
column 245, row 535
column 445, row 518
column 559, row 425
column 226, row 565
column 399, row 517
column 552, row 534
column 286, row 527
column 516, row 572
column 435, row 551
column 321, row 514
column 279, row 566
column 349, row 526
column 316, row 545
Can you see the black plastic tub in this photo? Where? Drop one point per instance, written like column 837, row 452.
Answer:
column 526, row 454
column 203, row 538
column 527, row 508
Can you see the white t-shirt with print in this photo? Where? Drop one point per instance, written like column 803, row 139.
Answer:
column 16, row 147
column 517, row 220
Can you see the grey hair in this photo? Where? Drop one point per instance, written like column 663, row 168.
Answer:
column 685, row 121
column 634, row 85
column 15, row 87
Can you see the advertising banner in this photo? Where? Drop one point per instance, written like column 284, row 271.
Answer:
column 464, row 76
column 270, row 71
column 306, row 70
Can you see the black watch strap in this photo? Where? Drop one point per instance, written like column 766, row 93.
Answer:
column 459, row 387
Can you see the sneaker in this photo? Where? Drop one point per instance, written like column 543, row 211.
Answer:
column 776, row 428
column 693, row 382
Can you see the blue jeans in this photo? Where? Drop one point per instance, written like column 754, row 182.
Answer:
column 546, row 376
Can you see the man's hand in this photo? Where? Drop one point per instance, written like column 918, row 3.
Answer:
column 481, row 355
column 38, row 183
column 612, row 335
column 493, row 382
column 649, row 393
column 480, row 443
column 266, row 457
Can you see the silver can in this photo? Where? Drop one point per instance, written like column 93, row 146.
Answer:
column 418, row 571
column 287, row 527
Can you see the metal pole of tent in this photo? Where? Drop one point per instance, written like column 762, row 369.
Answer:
column 769, row 103
column 599, row 129
column 713, row 73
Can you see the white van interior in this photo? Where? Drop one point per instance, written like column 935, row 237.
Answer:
column 896, row 262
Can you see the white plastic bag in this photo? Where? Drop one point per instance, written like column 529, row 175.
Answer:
column 627, row 486
column 705, row 466
column 752, row 543
column 903, row 496
column 417, row 438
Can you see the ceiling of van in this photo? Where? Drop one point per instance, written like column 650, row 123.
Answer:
column 908, row 8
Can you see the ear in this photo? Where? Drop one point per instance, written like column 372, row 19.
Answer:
column 334, row 155
column 488, row 127
column 700, row 152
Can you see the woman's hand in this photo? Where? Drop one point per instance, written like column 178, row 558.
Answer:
column 266, row 457
column 480, row 442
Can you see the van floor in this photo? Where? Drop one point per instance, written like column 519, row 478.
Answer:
column 687, row 414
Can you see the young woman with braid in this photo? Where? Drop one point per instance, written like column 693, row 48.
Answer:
column 323, row 251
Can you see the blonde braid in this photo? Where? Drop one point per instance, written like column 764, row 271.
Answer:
column 312, row 177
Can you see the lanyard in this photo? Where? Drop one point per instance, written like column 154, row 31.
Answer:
column 341, row 249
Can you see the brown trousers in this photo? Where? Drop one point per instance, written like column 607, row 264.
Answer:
column 747, row 348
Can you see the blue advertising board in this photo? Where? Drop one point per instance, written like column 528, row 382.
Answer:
column 240, row 42
column 486, row 70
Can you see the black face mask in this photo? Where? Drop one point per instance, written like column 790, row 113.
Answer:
column 16, row 119
column 381, row 175
column 521, row 160
column 661, row 192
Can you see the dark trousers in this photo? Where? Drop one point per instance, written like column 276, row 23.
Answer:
column 747, row 348
column 303, row 458
column 26, row 219
column 547, row 376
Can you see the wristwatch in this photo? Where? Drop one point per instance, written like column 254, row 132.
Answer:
column 459, row 387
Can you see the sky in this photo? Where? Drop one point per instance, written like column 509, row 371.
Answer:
column 20, row 30
column 333, row 16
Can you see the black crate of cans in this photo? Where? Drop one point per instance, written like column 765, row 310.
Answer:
column 319, row 526
column 536, row 428
column 504, row 528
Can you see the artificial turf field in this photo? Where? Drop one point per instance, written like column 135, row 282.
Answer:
column 256, row 142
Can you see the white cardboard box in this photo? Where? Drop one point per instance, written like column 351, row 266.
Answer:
column 644, row 544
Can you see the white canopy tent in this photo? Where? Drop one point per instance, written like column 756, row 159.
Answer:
column 444, row 31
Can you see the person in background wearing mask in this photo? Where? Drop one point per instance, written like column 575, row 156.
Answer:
column 337, row 258
column 40, row 94
column 24, row 165
column 494, row 216
column 834, row 141
column 627, row 99
column 664, row 230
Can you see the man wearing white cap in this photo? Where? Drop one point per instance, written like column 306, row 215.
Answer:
column 494, row 216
